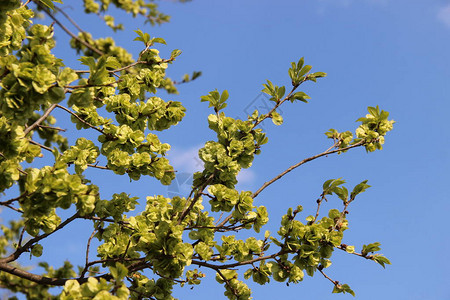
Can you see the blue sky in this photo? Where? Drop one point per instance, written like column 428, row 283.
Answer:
column 395, row 54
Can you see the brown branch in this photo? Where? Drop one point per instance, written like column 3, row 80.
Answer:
column 335, row 282
column 40, row 120
column 139, row 62
column 196, row 197
column 280, row 102
column 13, row 208
column 98, row 167
column 293, row 167
column 87, row 253
column 19, row 243
column 103, row 220
column 228, row 284
column 319, row 203
column 51, row 127
column 80, row 119
column 42, row 279
column 10, row 201
column 49, row 149
column 344, row 246
column 40, row 145
column 91, row 85
column 6, row 267
column 70, row 19
column 337, row 225
column 237, row 264
column 266, row 184
column 30, row 243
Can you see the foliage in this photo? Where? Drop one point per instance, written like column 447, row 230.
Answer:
column 164, row 244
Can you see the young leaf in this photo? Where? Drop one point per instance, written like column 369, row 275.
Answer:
column 382, row 260
column 358, row 189
column 277, row 119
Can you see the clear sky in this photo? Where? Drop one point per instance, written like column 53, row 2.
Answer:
column 395, row 54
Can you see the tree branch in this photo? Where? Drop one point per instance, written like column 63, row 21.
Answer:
column 40, row 120
column 237, row 264
column 194, row 200
column 80, row 119
column 266, row 184
column 30, row 243
column 293, row 167
column 42, row 279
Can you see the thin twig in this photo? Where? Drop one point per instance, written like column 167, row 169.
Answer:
column 280, row 102
column 335, row 282
column 228, row 284
column 98, row 167
column 26, row 3
column 87, row 253
column 13, row 208
column 91, row 85
column 40, row 120
column 237, row 264
column 31, row 242
column 343, row 248
column 19, row 243
column 266, row 184
column 40, row 145
column 70, row 19
column 14, row 199
column 80, row 119
column 196, row 197
column 293, row 167
column 139, row 62
column 67, row 30
column 319, row 202
column 42, row 280
column 51, row 127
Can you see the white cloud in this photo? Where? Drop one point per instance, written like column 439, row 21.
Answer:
column 246, row 176
column 187, row 161
column 443, row 15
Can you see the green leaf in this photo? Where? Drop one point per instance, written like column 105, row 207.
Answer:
column 48, row 3
column 374, row 111
column 318, row 74
column 224, row 96
column 305, row 70
column 380, row 259
column 370, row 248
column 118, row 272
column 281, row 92
column 350, row 249
column 112, row 62
column 196, row 74
column 277, row 119
column 300, row 63
column 66, row 76
column 301, row 96
column 36, row 250
column 143, row 37
column 175, row 53
column 159, row 40
column 359, row 188
column 88, row 61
